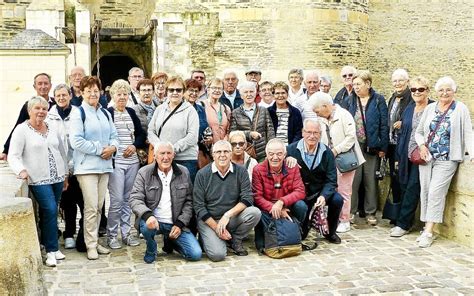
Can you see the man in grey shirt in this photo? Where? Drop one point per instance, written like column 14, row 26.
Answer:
column 223, row 202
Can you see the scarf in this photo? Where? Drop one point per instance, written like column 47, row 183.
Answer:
column 150, row 109
column 63, row 113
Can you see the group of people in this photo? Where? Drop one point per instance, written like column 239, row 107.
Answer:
column 206, row 159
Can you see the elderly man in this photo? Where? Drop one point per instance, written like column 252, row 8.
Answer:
column 278, row 190
column 231, row 95
column 318, row 170
column 42, row 85
column 77, row 73
column 223, row 204
column 344, row 93
column 161, row 199
column 254, row 74
column 200, row 76
column 134, row 76
column 311, row 82
column 325, row 83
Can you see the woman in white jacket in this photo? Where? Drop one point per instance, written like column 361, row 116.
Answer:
column 38, row 154
column 340, row 136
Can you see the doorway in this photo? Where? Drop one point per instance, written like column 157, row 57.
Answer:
column 114, row 66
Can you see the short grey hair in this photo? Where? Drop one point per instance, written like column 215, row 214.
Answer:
column 135, row 69
column 446, row 80
column 247, row 85
column 119, row 84
column 350, row 68
column 222, row 143
column 326, row 78
column 37, row 100
column 296, row 71
column 400, row 73
column 62, row 86
column 311, row 120
column 229, row 71
column 234, row 134
column 312, row 72
column 275, row 141
column 162, row 144
column 320, row 98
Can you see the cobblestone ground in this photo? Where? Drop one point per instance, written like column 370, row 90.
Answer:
column 367, row 262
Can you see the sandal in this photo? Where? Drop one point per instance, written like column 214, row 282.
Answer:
column 306, row 247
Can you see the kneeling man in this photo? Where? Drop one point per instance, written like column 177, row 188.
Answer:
column 161, row 199
column 318, row 170
column 223, row 203
column 278, row 189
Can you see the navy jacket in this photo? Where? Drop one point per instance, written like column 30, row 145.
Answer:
column 139, row 133
column 342, row 97
column 295, row 122
column 202, row 119
column 237, row 102
column 322, row 180
column 376, row 120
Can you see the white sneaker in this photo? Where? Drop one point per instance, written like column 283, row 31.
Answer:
column 51, row 259
column 69, row 243
column 343, row 227
column 398, row 232
column 59, row 255
column 426, row 240
column 422, row 233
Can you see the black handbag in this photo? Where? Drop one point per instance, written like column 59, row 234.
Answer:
column 347, row 161
column 391, row 210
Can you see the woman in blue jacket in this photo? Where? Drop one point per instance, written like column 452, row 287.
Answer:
column 370, row 115
column 94, row 139
column 287, row 120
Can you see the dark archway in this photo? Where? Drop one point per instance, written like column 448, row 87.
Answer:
column 114, row 66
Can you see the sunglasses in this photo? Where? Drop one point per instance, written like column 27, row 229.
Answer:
column 176, row 90
column 235, row 144
column 347, row 75
column 420, row 89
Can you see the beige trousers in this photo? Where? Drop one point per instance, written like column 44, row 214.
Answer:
column 94, row 188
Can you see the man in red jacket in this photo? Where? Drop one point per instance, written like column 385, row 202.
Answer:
column 278, row 189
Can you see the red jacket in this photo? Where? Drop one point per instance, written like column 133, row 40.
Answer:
column 263, row 186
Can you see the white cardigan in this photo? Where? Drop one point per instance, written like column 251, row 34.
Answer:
column 342, row 130
column 29, row 151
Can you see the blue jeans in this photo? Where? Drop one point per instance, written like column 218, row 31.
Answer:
column 297, row 210
column 186, row 244
column 191, row 165
column 48, row 197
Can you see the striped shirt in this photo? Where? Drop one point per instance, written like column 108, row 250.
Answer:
column 125, row 131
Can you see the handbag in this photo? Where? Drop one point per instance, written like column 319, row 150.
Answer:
column 391, row 209
column 282, row 236
column 319, row 220
column 345, row 161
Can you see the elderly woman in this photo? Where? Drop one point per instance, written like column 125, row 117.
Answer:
column 341, row 137
column 144, row 110
column 191, row 95
column 60, row 116
column 177, row 121
column 286, row 119
column 396, row 105
column 253, row 120
column 444, row 134
column 38, row 155
column 370, row 115
column 325, row 83
column 159, row 81
column 218, row 114
column 266, row 94
column 408, row 172
column 296, row 90
column 239, row 156
column 94, row 139
column 130, row 136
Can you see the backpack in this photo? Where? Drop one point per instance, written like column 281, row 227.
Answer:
column 282, row 237
column 83, row 113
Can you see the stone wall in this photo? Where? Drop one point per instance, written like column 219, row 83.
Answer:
column 12, row 18
column 429, row 38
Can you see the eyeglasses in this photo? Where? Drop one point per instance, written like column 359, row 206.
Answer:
column 147, row 90
column 280, row 93
column 348, row 75
column 193, row 91
column 398, row 81
column 420, row 89
column 448, row 90
column 312, row 133
column 221, row 152
column 175, row 90
column 136, row 76
column 215, row 88
column 235, row 144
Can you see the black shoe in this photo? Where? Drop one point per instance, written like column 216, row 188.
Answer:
column 333, row 238
column 102, row 231
column 238, row 248
column 306, row 247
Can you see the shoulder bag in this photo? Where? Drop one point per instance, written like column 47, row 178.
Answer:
column 345, row 161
